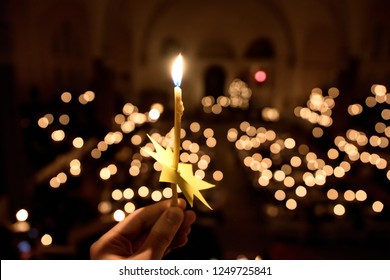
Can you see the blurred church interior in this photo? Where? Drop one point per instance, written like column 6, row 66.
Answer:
column 287, row 112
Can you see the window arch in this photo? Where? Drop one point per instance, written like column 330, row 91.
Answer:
column 260, row 48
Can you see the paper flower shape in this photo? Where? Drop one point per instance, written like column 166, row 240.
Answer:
column 183, row 176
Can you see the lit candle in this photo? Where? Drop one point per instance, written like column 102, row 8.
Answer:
column 177, row 73
column 178, row 174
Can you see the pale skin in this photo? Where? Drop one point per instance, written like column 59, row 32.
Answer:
column 149, row 233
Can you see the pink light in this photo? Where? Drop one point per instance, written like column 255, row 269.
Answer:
column 260, row 76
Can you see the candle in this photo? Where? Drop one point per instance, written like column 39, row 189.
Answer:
column 177, row 73
column 174, row 172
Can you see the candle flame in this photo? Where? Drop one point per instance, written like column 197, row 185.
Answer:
column 177, row 70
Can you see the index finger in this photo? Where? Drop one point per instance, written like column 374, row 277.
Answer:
column 142, row 218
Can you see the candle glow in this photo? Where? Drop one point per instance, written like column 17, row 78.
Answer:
column 177, row 71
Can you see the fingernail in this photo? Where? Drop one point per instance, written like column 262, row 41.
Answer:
column 174, row 215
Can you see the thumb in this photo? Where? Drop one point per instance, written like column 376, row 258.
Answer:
column 161, row 234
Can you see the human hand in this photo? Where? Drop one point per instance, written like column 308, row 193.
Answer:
column 148, row 233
